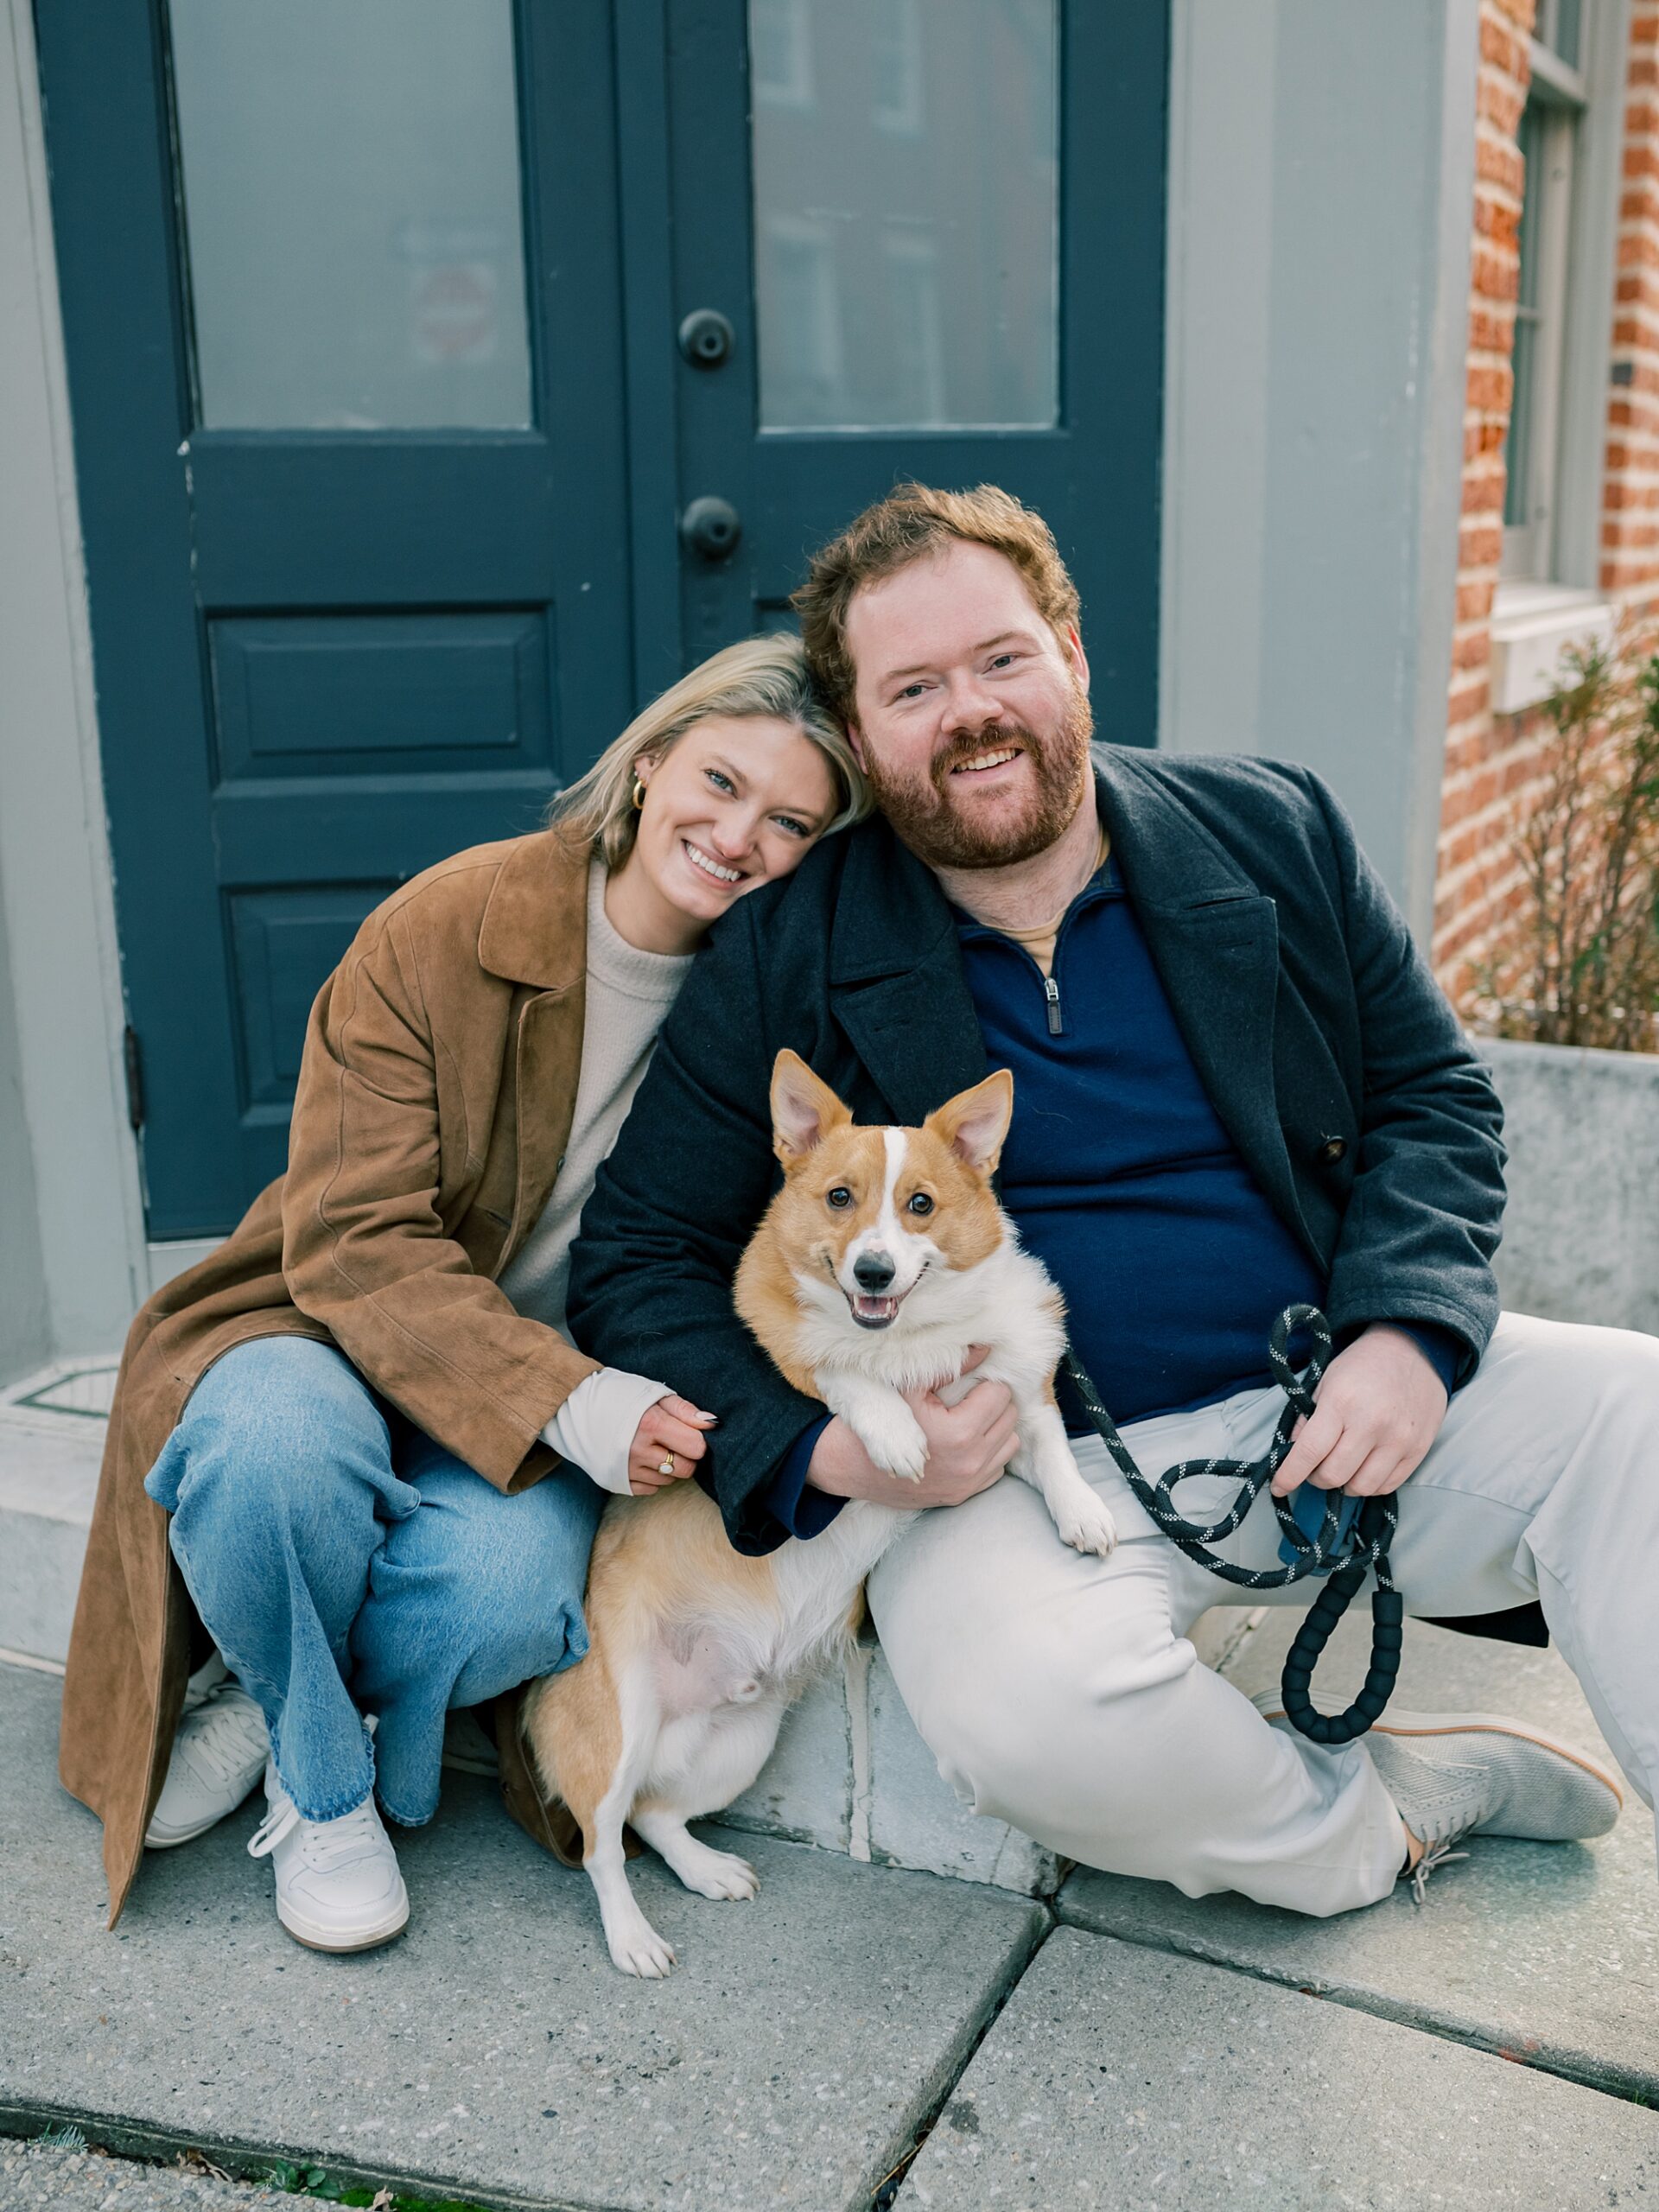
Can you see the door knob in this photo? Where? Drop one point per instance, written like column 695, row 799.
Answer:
column 705, row 338
column 711, row 528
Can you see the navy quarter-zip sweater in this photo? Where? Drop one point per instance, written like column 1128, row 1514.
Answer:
column 1120, row 1176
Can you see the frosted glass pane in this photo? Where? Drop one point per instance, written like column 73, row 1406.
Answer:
column 905, row 198
column 352, row 208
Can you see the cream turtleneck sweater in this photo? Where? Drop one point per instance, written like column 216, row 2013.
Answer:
column 629, row 994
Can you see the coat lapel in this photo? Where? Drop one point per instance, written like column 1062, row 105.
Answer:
column 535, row 933
column 1214, row 940
column 896, row 985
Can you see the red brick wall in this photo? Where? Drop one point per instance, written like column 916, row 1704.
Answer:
column 1629, row 525
column 1493, row 760
column 1485, row 764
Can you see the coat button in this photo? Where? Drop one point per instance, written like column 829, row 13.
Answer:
column 1333, row 1150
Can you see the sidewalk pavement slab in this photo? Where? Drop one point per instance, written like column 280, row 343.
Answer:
column 1547, row 1952
column 1119, row 2077
column 34, row 2178
column 493, row 2050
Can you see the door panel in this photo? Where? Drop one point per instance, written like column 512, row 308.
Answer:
column 950, row 244
column 349, row 612
column 300, row 694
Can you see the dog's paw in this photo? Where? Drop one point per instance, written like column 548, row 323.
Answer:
column 640, row 1950
column 1088, row 1526
column 895, row 1442
column 720, row 1874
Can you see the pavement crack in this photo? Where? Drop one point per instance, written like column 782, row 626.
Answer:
column 1043, row 1924
column 140, row 2143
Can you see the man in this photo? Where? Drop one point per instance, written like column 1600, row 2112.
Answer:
column 1236, row 1086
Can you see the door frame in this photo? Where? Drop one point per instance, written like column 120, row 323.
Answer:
column 74, row 1283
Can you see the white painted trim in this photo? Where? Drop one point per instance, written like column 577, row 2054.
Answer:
column 1532, row 626
column 1592, row 252
column 1217, row 247
column 1315, row 399
column 1529, row 545
column 55, row 875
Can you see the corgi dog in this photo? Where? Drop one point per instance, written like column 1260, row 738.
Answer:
column 882, row 1260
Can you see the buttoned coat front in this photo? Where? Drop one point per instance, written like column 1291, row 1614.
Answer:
column 433, row 1110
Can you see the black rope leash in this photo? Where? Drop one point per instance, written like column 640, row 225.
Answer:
column 1349, row 1560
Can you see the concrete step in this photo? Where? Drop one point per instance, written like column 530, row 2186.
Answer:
column 1117, row 2076
column 1547, row 1953
column 849, row 1773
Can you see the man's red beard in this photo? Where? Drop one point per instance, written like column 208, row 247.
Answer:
column 924, row 815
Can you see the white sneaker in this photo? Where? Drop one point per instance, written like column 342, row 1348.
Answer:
column 338, row 1886
column 218, row 1754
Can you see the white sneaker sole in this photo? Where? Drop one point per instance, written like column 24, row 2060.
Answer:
column 1271, row 1706
column 318, row 1938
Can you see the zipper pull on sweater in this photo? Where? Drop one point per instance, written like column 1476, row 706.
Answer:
column 1052, row 993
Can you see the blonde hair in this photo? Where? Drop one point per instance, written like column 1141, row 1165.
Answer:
column 767, row 676
column 911, row 523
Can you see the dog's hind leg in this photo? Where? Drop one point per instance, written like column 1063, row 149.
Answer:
column 634, row 1944
column 594, row 1739
column 711, row 1873
column 735, row 1748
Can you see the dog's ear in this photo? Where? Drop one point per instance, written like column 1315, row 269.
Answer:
column 803, row 1109
column 975, row 1123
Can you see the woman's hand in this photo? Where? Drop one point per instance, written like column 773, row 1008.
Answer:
column 672, row 1428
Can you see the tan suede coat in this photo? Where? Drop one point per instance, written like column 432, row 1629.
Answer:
column 434, row 1106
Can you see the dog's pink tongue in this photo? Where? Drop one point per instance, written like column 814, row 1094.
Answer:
column 875, row 1309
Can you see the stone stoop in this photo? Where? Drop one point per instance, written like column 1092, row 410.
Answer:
column 51, row 1427
column 849, row 1773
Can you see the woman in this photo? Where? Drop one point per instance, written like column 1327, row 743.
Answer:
column 340, row 1438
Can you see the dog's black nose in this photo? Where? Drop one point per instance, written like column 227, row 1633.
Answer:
column 873, row 1271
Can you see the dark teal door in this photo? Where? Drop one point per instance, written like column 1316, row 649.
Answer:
column 448, row 376
column 937, row 230
column 342, row 294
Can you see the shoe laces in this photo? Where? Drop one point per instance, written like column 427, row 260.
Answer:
column 325, row 1843
column 1434, row 1857
column 227, row 1732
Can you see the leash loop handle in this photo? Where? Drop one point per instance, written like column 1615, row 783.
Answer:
column 1347, row 1559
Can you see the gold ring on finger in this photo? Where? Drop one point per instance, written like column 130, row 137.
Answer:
column 667, row 1466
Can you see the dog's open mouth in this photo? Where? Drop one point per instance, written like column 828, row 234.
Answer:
column 873, row 1312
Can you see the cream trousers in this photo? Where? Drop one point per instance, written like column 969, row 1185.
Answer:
column 1059, row 1693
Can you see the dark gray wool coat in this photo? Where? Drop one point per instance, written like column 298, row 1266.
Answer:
column 1326, row 1047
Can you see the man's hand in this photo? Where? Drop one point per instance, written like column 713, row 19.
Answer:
column 968, row 1446
column 1378, row 1408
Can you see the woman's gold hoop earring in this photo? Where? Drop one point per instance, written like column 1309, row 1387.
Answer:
column 638, row 793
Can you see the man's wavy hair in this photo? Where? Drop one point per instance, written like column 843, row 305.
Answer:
column 909, row 524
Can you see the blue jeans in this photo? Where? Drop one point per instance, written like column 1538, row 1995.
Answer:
column 344, row 1564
